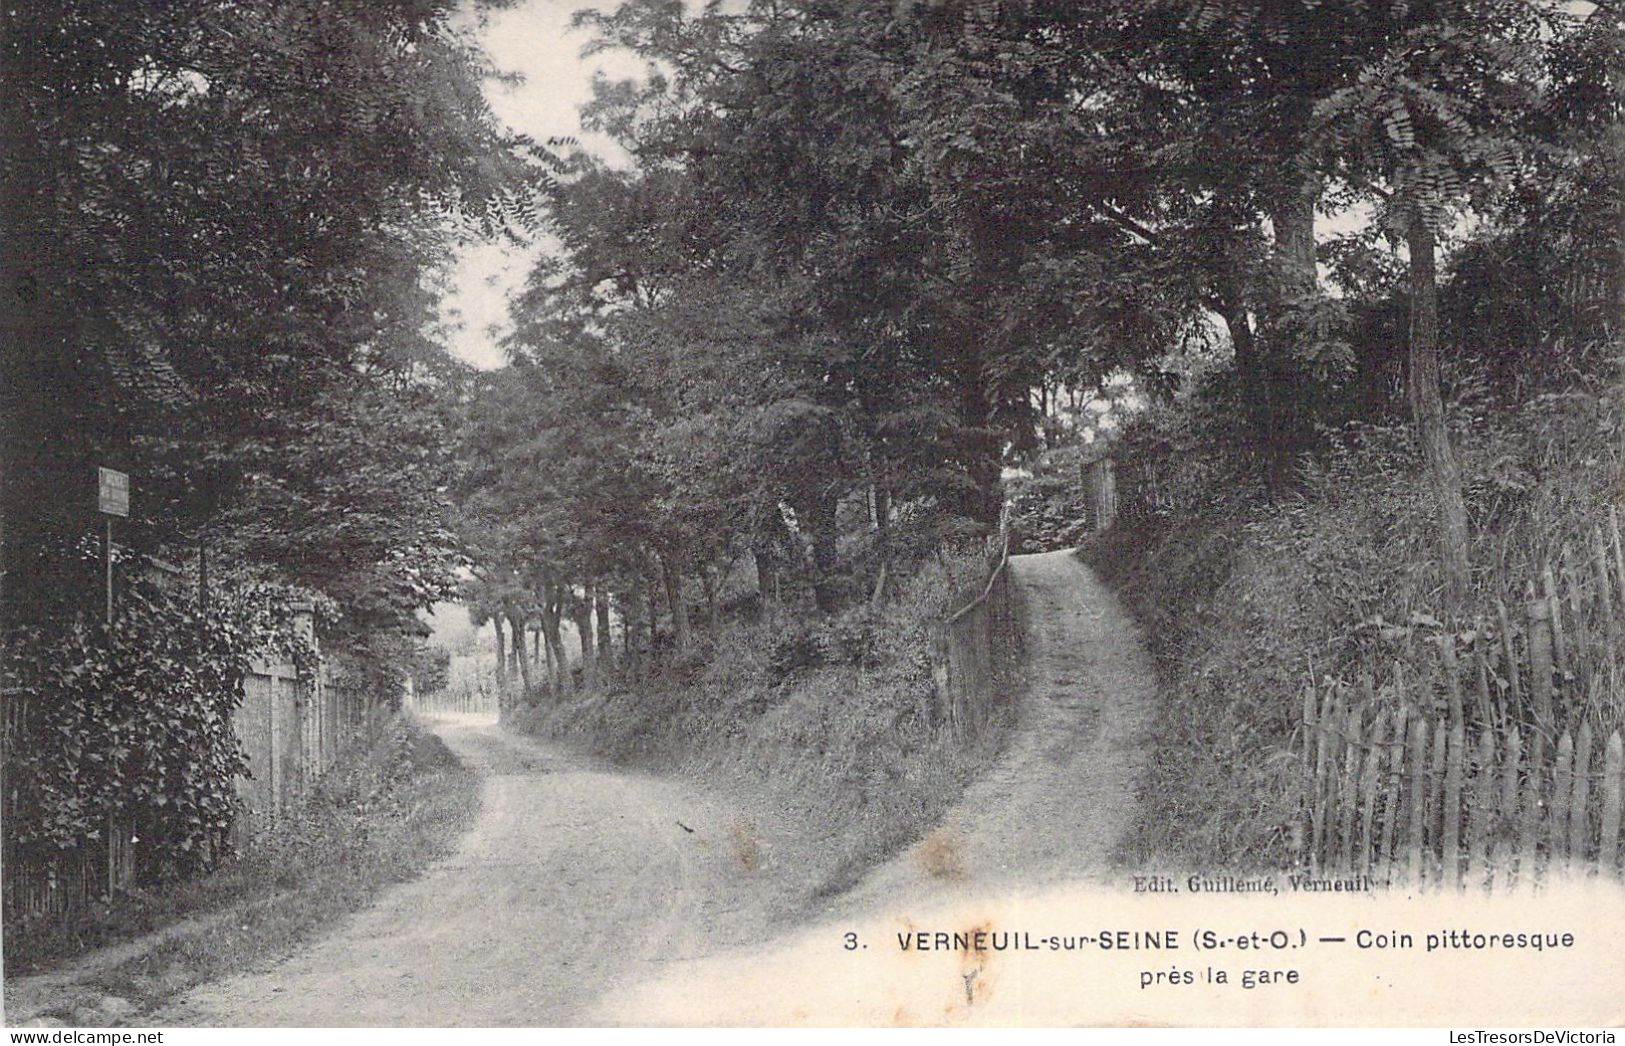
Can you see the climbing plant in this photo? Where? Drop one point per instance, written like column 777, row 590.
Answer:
column 132, row 721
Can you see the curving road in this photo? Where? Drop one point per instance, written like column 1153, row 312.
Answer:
column 578, row 882
column 1054, row 807
column 572, row 880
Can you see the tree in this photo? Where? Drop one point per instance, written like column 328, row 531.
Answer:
column 1427, row 126
column 217, row 218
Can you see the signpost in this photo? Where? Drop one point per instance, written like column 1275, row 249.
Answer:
column 112, row 499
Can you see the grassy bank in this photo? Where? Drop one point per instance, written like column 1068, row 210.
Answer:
column 378, row 822
column 1245, row 597
column 823, row 727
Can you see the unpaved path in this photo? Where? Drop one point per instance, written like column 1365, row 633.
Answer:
column 573, row 879
column 579, row 882
column 1055, row 806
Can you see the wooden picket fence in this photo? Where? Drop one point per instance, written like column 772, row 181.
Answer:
column 1483, row 756
column 1407, row 798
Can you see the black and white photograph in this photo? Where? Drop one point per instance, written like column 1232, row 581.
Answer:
column 813, row 513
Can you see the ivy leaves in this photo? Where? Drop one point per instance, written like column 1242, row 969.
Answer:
column 134, row 722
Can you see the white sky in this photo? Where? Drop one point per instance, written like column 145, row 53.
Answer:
column 533, row 39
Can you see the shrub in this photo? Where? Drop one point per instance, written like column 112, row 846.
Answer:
column 830, row 722
column 1247, row 595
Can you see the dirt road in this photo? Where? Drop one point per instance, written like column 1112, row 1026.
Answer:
column 1054, row 807
column 579, row 883
column 572, row 880
column 1031, row 843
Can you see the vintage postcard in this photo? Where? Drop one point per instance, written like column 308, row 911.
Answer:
column 786, row 513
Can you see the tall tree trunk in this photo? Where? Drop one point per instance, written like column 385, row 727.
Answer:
column 1249, row 364
column 883, row 539
column 821, row 524
column 654, row 617
column 629, row 644
column 517, row 624
column 1296, row 286
column 606, row 639
column 767, row 570
column 551, row 673
column 711, row 586
column 1427, row 410
column 674, row 598
column 552, row 611
column 1297, row 277
column 502, row 652
column 584, row 633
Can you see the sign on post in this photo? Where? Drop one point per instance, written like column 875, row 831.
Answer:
column 113, row 492
column 112, row 499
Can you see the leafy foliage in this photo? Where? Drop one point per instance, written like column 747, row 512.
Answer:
column 133, row 723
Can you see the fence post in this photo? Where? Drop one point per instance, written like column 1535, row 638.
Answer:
column 1510, row 652
column 1540, row 657
column 1369, row 790
column 1481, row 669
column 273, row 804
column 1102, row 485
column 1529, row 830
column 1613, row 637
column 1478, row 848
column 1435, row 813
column 1350, row 785
column 1558, row 848
column 1554, row 613
column 1579, row 819
column 1320, row 808
column 1450, row 847
column 1418, row 754
column 1506, row 847
column 1452, row 676
column 1394, row 767
column 1613, row 770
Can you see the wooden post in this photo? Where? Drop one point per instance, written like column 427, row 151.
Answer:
column 270, row 729
column 1393, row 791
column 1558, row 847
column 1310, row 701
column 1540, row 658
column 1529, row 827
column 1350, row 787
column 1452, row 676
column 1579, row 804
column 1579, row 662
column 1478, row 843
column 1450, row 848
column 1514, row 691
column 1102, row 484
column 109, row 559
column 1560, row 647
column 1486, row 704
column 1613, row 771
column 1435, row 810
column 1418, row 755
column 1612, row 630
column 1369, row 791
column 1505, row 844
column 1320, row 805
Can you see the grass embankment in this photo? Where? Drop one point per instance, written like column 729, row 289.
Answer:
column 362, row 828
column 1243, row 598
column 823, row 728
